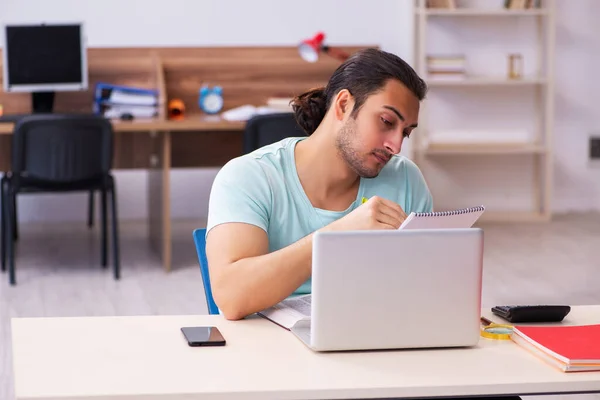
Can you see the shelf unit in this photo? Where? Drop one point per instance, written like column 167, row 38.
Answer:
column 539, row 83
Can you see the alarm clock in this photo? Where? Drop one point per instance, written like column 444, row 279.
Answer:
column 210, row 99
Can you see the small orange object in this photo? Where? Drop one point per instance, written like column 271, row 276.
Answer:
column 1, row 110
column 176, row 109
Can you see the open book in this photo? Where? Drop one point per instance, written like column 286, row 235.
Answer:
column 289, row 312
column 461, row 218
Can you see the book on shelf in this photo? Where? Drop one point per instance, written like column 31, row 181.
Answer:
column 450, row 67
column 568, row 348
column 521, row 4
column 441, row 4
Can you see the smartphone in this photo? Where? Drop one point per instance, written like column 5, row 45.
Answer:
column 203, row 336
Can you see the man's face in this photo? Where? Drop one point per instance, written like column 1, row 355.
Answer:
column 368, row 140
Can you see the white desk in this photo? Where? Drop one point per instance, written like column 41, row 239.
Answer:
column 147, row 357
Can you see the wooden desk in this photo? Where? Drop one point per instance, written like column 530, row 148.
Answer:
column 147, row 357
column 196, row 123
column 248, row 75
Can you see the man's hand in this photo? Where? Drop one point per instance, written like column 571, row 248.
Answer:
column 376, row 213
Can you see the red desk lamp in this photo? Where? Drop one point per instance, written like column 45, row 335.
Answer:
column 309, row 49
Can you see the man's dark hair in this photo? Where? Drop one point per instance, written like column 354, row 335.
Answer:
column 363, row 74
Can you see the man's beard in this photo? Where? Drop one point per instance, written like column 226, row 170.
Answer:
column 344, row 143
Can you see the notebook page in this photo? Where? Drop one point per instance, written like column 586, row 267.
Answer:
column 289, row 311
column 457, row 219
column 300, row 304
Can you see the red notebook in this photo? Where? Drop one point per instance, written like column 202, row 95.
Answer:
column 570, row 348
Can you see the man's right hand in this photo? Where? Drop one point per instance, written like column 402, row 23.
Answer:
column 376, row 213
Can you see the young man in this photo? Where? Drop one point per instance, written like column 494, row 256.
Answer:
column 265, row 206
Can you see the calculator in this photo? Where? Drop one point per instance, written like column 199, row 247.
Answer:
column 532, row 313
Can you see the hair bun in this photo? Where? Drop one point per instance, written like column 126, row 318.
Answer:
column 310, row 108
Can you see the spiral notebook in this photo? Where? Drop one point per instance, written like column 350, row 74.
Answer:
column 461, row 218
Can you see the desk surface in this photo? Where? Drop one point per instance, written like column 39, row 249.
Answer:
column 192, row 123
column 147, row 356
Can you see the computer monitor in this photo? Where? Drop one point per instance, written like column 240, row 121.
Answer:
column 42, row 59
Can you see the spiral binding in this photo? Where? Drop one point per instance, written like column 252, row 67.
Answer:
column 453, row 212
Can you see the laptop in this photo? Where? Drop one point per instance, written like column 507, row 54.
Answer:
column 394, row 290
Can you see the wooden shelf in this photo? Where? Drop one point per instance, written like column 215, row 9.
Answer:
column 486, row 81
column 475, row 12
column 431, row 152
column 477, row 148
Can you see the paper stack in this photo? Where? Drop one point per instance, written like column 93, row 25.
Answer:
column 116, row 101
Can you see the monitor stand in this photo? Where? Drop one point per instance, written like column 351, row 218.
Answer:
column 42, row 102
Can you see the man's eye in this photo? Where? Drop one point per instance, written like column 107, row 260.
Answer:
column 406, row 134
column 385, row 121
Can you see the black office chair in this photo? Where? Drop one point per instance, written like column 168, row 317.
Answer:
column 90, row 221
column 60, row 153
column 265, row 129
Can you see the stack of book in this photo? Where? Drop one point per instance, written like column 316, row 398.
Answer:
column 118, row 101
column 450, row 67
column 568, row 348
column 441, row 3
column 521, row 4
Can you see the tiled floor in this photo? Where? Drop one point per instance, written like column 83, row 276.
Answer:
column 59, row 273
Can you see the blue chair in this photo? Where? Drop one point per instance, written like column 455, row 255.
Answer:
column 200, row 241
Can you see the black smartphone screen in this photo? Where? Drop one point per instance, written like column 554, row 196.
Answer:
column 203, row 336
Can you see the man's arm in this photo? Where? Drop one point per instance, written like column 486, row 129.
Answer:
column 245, row 278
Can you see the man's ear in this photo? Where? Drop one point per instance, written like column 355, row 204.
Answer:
column 343, row 104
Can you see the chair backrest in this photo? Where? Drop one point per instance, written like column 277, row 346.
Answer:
column 265, row 129
column 62, row 148
column 200, row 242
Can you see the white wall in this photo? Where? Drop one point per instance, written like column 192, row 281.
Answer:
column 119, row 23
column 577, row 106
column 387, row 23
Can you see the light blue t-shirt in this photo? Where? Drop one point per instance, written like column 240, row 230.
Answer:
column 263, row 189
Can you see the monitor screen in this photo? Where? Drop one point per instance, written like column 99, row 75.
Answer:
column 44, row 57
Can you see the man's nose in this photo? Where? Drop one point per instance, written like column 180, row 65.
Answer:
column 394, row 143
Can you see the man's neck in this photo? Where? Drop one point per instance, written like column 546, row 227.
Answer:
column 325, row 177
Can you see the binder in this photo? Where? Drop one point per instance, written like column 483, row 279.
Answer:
column 109, row 110
column 121, row 94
